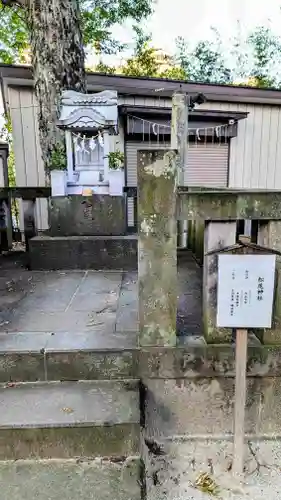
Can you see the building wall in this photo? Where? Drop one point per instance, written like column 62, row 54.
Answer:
column 255, row 154
column 28, row 161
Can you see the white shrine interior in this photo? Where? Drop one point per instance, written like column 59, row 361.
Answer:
column 90, row 123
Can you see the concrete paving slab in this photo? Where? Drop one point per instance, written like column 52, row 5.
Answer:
column 127, row 319
column 61, row 404
column 66, row 341
column 98, row 292
column 70, row 479
column 50, row 321
column 98, row 303
column 24, row 342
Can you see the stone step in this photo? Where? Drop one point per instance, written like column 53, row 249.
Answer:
column 69, row 419
column 45, row 356
column 83, row 252
column 71, row 479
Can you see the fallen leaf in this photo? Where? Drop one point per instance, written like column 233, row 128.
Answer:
column 67, row 410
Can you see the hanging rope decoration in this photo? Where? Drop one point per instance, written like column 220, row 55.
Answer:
column 84, row 144
column 216, row 131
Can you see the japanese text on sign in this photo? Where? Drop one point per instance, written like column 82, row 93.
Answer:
column 245, row 290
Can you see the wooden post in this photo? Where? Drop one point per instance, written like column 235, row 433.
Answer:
column 157, row 248
column 240, row 400
column 240, row 386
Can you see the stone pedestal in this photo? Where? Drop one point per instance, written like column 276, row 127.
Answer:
column 116, row 182
column 217, row 235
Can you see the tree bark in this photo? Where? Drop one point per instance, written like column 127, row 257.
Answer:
column 58, row 64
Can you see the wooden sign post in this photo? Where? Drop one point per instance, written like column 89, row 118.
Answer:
column 244, row 300
column 240, row 400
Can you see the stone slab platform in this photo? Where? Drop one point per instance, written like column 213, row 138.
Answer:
column 72, row 479
column 68, row 419
column 79, row 325
column 102, row 306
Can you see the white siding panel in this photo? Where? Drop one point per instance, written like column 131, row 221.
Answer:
column 28, row 160
column 277, row 167
column 272, row 148
column 15, row 110
column 256, row 117
column 247, row 147
column 265, row 140
column 29, row 140
column 255, row 154
column 40, row 164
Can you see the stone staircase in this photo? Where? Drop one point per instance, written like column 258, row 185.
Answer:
column 69, row 422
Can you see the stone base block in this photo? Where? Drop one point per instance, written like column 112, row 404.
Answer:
column 83, row 252
column 69, row 419
column 204, row 407
column 87, row 215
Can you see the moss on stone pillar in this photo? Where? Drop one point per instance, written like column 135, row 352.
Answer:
column 157, row 265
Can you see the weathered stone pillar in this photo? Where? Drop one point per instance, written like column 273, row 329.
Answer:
column 157, row 248
column 269, row 235
column 217, row 235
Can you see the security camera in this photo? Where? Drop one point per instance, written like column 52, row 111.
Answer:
column 198, row 99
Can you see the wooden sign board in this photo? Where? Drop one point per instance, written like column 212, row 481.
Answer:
column 245, row 290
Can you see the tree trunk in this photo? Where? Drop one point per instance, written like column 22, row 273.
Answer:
column 58, row 64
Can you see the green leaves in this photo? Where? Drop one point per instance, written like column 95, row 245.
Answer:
column 14, row 40
column 256, row 60
column 266, row 49
column 205, row 63
column 150, row 62
column 97, row 18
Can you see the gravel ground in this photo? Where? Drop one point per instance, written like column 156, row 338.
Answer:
column 173, row 475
